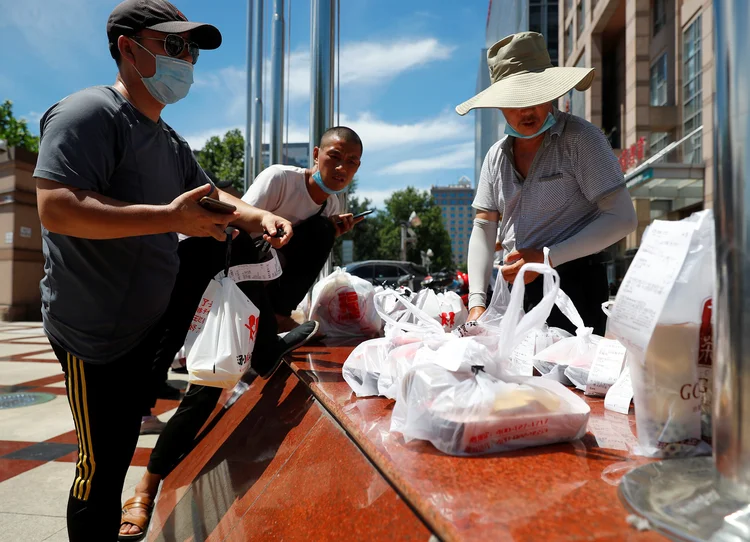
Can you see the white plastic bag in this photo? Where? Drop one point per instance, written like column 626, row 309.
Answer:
column 361, row 369
column 452, row 313
column 572, row 356
column 671, row 376
column 489, row 322
column 222, row 337
column 454, row 398
column 343, row 304
column 472, row 413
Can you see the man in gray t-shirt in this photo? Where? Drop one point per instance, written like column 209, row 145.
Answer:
column 114, row 185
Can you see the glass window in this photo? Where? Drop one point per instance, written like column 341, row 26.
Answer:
column 580, row 17
column 363, row 271
column 692, row 91
column 535, row 18
column 569, row 40
column 387, row 271
column 659, row 81
column 660, row 15
column 657, row 142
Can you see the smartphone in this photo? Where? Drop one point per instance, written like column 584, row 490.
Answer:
column 364, row 213
column 216, row 206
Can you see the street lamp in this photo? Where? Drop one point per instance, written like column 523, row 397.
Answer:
column 427, row 258
column 407, row 234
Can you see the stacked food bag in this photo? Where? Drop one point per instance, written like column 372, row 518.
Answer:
column 458, row 390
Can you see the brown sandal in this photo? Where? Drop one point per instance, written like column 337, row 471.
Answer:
column 147, row 504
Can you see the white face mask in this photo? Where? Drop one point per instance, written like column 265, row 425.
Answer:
column 172, row 80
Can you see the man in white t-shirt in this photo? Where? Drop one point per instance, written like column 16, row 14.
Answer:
column 308, row 198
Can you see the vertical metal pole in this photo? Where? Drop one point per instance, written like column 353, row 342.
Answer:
column 248, row 115
column 321, row 78
column 256, row 138
column 321, row 69
column 731, row 409
column 276, row 143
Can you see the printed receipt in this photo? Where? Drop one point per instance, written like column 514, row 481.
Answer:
column 621, row 393
column 647, row 284
column 269, row 270
column 521, row 359
column 606, row 367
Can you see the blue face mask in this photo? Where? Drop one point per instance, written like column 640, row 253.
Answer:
column 548, row 123
column 172, row 80
column 319, row 181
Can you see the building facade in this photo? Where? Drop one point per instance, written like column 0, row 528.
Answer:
column 458, row 215
column 506, row 17
column 653, row 96
column 295, row 154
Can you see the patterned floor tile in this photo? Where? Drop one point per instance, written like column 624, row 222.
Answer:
column 17, row 527
column 44, row 489
column 13, row 467
column 20, row 372
column 42, row 451
column 38, row 422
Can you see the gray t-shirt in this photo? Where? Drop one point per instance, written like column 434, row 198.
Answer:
column 574, row 168
column 101, row 297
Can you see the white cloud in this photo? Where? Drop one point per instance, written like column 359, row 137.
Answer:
column 51, row 27
column 377, row 197
column 363, row 63
column 459, row 157
column 196, row 140
column 378, row 134
column 33, row 117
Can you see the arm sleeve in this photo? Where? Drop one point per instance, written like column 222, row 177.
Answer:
column 265, row 192
column 616, row 220
column 596, row 167
column 481, row 253
column 78, row 142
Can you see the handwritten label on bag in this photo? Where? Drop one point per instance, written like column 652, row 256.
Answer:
column 621, row 393
column 521, row 361
column 606, row 367
column 269, row 270
column 649, row 280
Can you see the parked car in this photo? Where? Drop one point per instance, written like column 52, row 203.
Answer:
column 389, row 273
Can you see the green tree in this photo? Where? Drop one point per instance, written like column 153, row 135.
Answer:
column 15, row 131
column 225, row 158
column 430, row 235
column 364, row 234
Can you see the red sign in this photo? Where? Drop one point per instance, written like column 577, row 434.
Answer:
column 631, row 157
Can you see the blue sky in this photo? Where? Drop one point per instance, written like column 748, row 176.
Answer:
column 404, row 66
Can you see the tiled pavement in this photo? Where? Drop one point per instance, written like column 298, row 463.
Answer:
column 38, row 444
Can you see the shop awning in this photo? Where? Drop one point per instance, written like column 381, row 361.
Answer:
column 680, row 183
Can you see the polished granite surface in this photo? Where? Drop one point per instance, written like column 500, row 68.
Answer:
column 557, row 492
column 276, row 466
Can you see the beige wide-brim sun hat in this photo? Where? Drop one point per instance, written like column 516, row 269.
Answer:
column 522, row 75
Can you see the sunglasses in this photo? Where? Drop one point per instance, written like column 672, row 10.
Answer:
column 174, row 45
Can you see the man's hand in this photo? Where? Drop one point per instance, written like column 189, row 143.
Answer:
column 273, row 224
column 475, row 313
column 344, row 223
column 189, row 218
column 517, row 259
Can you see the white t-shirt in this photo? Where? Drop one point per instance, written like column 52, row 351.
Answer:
column 282, row 191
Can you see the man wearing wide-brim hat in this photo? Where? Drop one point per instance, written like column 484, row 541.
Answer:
column 553, row 181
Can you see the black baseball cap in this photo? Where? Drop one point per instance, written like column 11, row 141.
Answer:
column 132, row 16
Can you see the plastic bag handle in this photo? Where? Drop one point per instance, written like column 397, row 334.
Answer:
column 563, row 302
column 419, row 314
column 513, row 331
column 500, row 297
